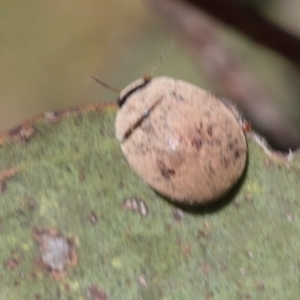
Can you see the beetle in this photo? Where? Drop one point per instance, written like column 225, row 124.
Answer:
column 184, row 142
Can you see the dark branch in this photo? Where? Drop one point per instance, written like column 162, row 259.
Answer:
column 253, row 24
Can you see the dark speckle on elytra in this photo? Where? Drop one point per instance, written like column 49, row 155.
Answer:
column 230, row 145
column 229, row 136
column 144, row 149
column 225, row 161
column 165, row 171
column 237, row 154
column 207, row 113
column 197, row 143
column 214, row 142
column 178, row 97
column 211, row 169
column 209, row 130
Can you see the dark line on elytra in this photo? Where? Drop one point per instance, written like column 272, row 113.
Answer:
column 140, row 120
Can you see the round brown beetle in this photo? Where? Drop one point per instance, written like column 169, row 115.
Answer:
column 185, row 143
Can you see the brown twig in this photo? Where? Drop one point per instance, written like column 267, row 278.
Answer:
column 254, row 25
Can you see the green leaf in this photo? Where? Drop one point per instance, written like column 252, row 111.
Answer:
column 78, row 223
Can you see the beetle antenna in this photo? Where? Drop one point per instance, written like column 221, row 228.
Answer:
column 106, row 85
column 163, row 56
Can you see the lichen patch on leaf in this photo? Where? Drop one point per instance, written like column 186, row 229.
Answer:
column 51, row 116
column 95, row 293
column 136, row 205
column 22, row 133
column 92, row 217
column 56, row 251
column 12, row 263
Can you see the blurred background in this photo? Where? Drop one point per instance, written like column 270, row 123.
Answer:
column 51, row 49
